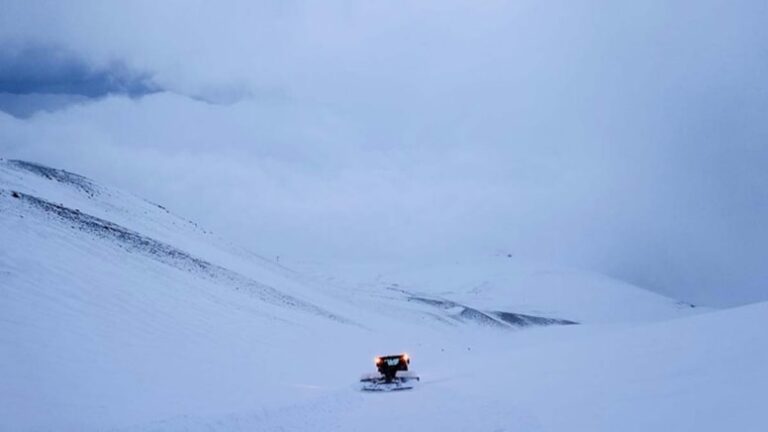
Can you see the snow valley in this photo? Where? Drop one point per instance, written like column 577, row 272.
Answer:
column 117, row 315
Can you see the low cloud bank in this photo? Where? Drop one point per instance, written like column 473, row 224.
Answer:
column 628, row 138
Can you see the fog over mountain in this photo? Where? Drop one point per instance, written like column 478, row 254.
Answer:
column 627, row 138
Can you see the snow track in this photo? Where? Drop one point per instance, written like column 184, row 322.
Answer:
column 659, row 376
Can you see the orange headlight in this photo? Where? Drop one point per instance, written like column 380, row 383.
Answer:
column 377, row 360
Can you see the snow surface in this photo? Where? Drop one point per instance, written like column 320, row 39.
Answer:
column 117, row 315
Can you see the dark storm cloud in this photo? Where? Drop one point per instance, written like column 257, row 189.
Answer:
column 36, row 76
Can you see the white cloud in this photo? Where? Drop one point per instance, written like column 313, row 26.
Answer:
column 626, row 137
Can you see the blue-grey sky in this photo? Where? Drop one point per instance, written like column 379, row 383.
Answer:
column 625, row 137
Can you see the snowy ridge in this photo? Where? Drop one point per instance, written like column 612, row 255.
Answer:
column 134, row 242
column 65, row 177
column 500, row 319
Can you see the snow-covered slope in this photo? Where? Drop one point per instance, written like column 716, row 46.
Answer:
column 704, row 373
column 117, row 315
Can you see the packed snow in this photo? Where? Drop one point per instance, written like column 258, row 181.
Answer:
column 117, row 315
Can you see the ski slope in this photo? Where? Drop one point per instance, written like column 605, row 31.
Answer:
column 704, row 373
column 116, row 314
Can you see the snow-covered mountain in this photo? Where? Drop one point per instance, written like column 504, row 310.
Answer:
column 116, row 314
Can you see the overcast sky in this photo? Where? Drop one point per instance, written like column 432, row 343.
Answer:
column 625, row 137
